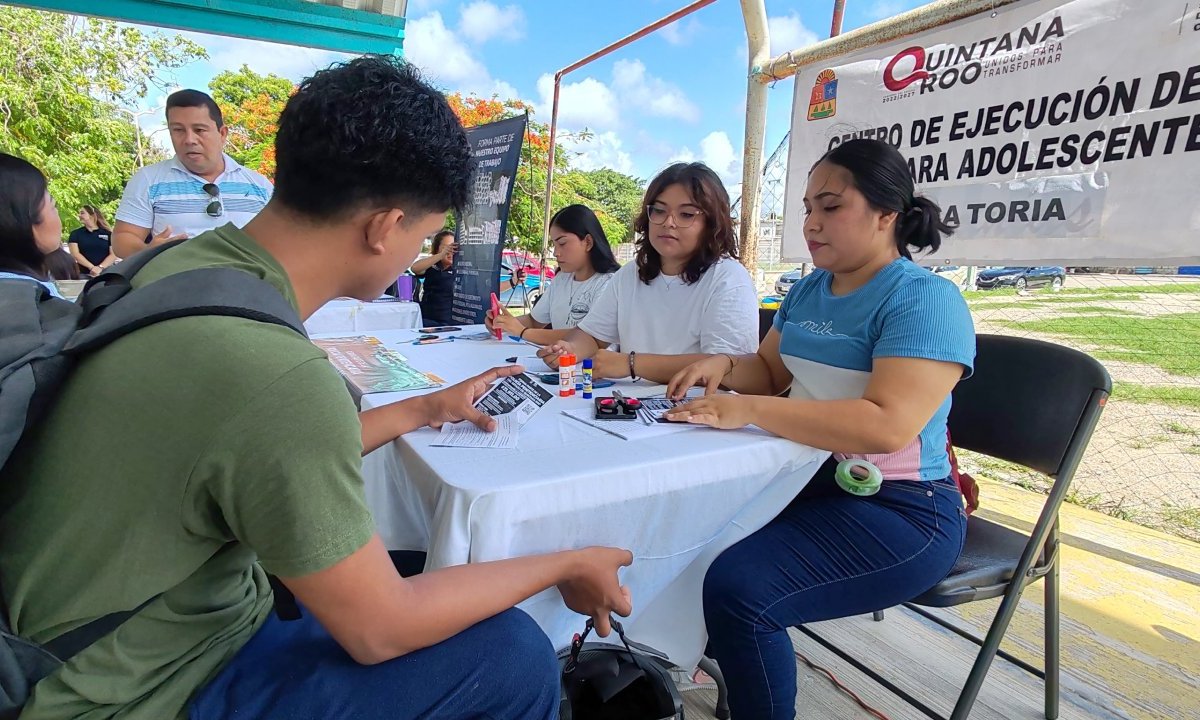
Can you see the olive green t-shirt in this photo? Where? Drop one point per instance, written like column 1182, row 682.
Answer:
column 182, row 459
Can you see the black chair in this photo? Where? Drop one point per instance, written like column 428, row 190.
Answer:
column 766, row 320
column 1035, row 404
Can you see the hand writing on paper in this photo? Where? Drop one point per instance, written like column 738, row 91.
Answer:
column 594, row 589
column 457, row 403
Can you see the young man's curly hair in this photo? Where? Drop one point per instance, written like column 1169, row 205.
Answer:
column 370, row 134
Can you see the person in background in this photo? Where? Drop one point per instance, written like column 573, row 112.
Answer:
column 30, row 229
column 91, row 245
column 871, row 346
column 199, row 189
column 686, row 294
column 437, row 280
column 586, row 265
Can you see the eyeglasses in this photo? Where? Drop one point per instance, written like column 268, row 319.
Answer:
column 214, row 208
column 683, row 218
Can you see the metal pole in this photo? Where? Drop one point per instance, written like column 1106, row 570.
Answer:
column 835, row 28
column 682, row 12
column 758, row 39
column 926, row 17
column 549, row 183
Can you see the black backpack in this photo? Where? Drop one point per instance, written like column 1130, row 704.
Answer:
column 601, row 681
column 41, row 339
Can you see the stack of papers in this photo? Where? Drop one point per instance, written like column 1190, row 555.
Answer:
column 513, row 401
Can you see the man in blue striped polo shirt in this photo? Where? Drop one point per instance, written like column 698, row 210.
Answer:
column 199, row 189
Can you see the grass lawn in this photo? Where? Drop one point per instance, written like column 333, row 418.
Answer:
column 1065, row 305
column 1180, row 397
column 1166, row 341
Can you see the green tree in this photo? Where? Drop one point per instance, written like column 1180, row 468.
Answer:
column 608, row 192
column 251, row 104
column 235, row 87
column 615, row 197
column 64, row 82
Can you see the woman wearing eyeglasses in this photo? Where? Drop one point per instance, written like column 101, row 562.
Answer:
column 686, row 294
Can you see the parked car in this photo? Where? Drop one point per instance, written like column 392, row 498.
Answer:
column 956, row 274
column 530, row 291
column 1021, row 277
column 526, row 261
column 786, row 281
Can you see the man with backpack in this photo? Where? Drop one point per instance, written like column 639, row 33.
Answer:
column 231, row 449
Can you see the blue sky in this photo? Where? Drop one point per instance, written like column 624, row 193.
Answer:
column 677, row 94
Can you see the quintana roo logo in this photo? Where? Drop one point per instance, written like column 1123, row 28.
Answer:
column 822, row 103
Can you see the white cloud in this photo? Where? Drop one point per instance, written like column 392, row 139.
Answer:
column 289, row 61
column 587, row 103
column 717, row 152
column 655, row 96
column 681, row 32
column 788, row 32
column 504, row 90
column 684, row 155
column 594, row 104
column 434, row 48
column 602, row 150
column 483, row 20
column 446, row 60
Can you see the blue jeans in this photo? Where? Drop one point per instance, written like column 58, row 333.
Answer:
column 500, row 669
column 828, row 555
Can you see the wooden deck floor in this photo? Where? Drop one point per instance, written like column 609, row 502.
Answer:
column 1130, row 636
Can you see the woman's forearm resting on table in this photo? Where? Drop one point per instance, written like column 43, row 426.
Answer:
column 900, row 398
column 856, row 426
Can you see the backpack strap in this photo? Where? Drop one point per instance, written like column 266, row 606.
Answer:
column 67, row 645
column 112, row 284
column 203, row 291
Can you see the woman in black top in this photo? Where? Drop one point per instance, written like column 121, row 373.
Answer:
column 437, row 286
column 91, row 245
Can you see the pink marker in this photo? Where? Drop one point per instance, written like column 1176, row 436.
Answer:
column 496, row 315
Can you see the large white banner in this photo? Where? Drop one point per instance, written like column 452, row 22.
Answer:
column 1051, row 132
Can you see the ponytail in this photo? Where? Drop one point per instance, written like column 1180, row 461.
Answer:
column 881, row 174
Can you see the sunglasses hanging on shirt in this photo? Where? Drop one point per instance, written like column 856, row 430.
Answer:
column 214, row 208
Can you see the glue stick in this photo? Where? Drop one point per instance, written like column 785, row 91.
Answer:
column 587, row 378
column 566, row 375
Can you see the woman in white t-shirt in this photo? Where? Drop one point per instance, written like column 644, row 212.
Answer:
column 686, row 296
column 586, row 265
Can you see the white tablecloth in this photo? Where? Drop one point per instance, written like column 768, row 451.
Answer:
column 346, row 315
column 675, row 500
